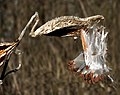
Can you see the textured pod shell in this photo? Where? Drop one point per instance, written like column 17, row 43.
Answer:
column 66, row 26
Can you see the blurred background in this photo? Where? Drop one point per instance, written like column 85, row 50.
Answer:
column 44, row 59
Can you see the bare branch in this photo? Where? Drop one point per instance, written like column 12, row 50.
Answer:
column 36, row 22
column 13, row 70
column 11, row 48
column 28, row 24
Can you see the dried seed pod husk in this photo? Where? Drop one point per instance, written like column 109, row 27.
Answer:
column 66, row 26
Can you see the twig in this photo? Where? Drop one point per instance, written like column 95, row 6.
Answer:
column 28, row 24
column 36, row 22
column 13, row 70
column 9, row 53
column 6, row 64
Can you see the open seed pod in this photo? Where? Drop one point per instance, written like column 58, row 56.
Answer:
column 65, row 26
column 91, row 64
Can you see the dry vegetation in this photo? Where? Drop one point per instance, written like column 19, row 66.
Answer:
column 44, row 69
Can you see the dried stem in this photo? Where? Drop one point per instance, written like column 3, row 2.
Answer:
column 6, row 64
column 13, row 70
column 28, row 24
column 9, row 53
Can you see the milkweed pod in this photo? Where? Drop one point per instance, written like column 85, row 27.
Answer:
column 66, row 26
